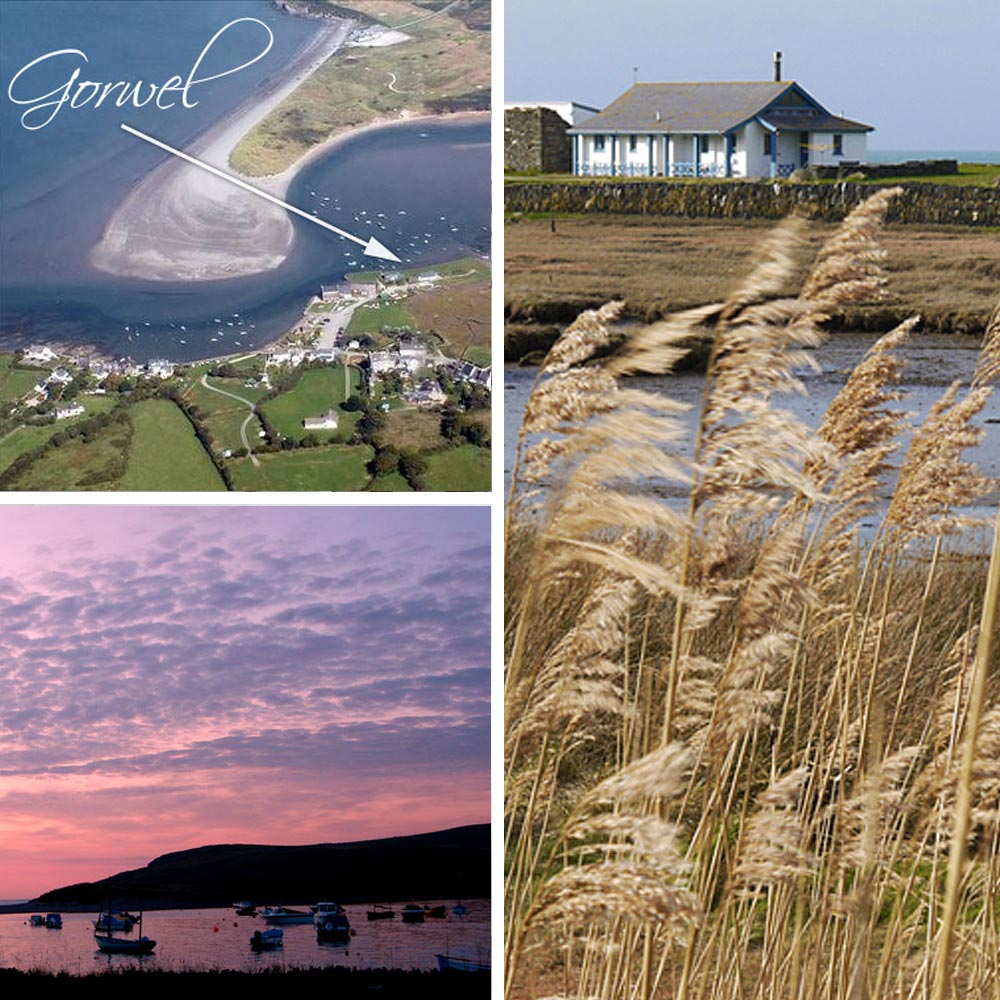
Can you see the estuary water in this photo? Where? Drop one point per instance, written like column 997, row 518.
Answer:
column 933, row 362
column 62, row 183
column 191, row 940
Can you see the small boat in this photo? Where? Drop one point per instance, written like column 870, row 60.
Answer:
column 335, row 927
column 447, row 963
column 283, row 915
column 412, row 914
column 459, row 910
column 267, row 940
column 112, row 945
column 37, row 920
column 437, row 912
column 323, row 910
column 53, row 921
column 380, row 911
column 244, row 909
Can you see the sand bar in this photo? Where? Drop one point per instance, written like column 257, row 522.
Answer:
column 179, row 223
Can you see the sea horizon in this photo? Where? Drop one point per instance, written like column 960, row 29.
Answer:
column 891, row 155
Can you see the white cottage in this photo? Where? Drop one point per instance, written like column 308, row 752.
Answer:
column 763, row 129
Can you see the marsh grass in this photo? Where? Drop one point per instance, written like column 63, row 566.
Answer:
column 751, row 751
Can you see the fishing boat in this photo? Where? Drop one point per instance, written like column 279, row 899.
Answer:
column 37, row 920
column 283, row 915
column 380, row 911
column 267, row 940
column 53, row 921
column 412, row 914
column 112, row 945
column 448, row 963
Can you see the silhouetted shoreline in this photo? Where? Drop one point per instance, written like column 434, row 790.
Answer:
column 387, row 984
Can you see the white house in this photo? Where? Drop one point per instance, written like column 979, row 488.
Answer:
column 762, row 129
column 40, row 354
column 64, row 412
column 327, row 422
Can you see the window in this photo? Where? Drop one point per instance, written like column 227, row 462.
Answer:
column 633, row 143
column 598, row 143
column 767, row 143
column 838, row 145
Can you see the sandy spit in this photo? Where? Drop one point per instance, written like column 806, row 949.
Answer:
column 179, row 223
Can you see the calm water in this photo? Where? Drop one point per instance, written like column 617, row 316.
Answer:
column 188, row 940
column 63, row 182
column 933, row 363
column 962, row 155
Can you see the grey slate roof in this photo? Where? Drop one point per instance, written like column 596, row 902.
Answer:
column 699, row 107
column 790, row 121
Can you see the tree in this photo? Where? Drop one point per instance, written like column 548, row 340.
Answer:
column 476, row 433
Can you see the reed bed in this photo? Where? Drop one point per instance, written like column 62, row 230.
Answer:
column 752, row 749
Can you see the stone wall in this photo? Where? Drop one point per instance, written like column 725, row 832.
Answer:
column 535, row 139
column 924, row 204
column 911, row 168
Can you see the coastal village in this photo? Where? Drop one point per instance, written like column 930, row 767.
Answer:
column 379, row 386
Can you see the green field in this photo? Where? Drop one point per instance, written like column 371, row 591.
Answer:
column 317, row 391
column 165, row 455
column 338, row 467
column 80, row 465
column 371, row 319
column 466, row 469
column 223, row 416
column 16, row 382
column 26, row 438
column 393, row 483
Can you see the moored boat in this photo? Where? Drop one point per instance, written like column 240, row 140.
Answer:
column 412, row 914
column 459, row 910
column 380, row 911
column 37, row 920
column 244, row 909
column 112, row 945
column 267, row 940
column 53, row 921
column 437, row 912
column 283, row 915
column 335, row 927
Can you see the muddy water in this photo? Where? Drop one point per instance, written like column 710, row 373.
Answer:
column 933, row 362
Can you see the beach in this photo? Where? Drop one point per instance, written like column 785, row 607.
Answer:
column 180, row 223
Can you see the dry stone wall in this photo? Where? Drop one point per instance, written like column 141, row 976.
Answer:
column 923, row 204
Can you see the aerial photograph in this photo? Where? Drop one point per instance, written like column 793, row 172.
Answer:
column 752, row 476
column 245, row 245
column 245, row 749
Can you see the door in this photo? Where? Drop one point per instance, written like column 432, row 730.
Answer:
column 803, row 149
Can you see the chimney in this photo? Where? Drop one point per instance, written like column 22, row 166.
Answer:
column 777, row 67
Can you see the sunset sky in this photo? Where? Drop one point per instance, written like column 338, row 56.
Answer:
column 179, row 676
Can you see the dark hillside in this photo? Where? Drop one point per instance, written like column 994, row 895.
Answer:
column 442, row 865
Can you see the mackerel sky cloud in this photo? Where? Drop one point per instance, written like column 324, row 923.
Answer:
column 181, row 676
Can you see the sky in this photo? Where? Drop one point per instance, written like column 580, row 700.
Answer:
column 181, row 676
column 925, row 73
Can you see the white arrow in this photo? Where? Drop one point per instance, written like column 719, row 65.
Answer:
column 372, row 246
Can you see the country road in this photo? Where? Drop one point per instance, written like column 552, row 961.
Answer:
column 243, row 426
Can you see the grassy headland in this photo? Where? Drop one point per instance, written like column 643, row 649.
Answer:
column 443, row 67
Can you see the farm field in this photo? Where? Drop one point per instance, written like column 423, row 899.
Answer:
column 164, row 454
column 466, row 469
column 26, row 437
column 336, row 468
column 15, row 382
